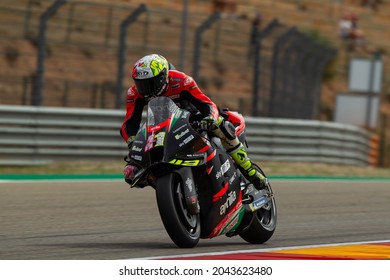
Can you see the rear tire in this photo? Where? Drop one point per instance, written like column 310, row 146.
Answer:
column 182, row 227
column 262, row 223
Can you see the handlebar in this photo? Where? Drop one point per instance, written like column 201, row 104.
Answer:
column 197, row 126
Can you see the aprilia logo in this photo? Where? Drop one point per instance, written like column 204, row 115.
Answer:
column 229, row 202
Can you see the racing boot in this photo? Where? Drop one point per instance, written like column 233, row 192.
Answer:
column 245, row 165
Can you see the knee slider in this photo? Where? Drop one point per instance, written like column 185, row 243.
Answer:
column 228, row 130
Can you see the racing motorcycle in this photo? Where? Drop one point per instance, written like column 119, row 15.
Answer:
column 200, row 191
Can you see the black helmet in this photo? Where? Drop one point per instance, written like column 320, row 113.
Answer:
column 150, row 75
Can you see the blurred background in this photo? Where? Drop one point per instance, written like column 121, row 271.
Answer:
column 322, row 60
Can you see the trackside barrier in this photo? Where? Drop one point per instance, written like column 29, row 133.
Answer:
column 39, row 135
column 374, row 150
column 308, row 141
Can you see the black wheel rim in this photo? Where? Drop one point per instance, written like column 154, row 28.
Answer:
column 267, row 216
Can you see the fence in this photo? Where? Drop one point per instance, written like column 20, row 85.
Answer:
column 288, row 72
column 82, row 42
column 40, row 135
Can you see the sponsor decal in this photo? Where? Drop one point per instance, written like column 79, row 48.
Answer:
column 141, row 64
column 129, row 100
column 155, row 140
column 258, row 203
column 176, row 79
column 155, row 128
column 232, row 197
column 178, row 113
column 232, row 178
column 219, row 228
column 224, row 167
column 188, row 139
column 160, row 139
column 193, row 162
column 189, row 184
column 183, row 133
column 136, row 157
column 149, row 142
column 185, row 114
column 231, row 225
column 162, row 108
column 175, row 86
column 194, row 155
column 179, row 128
column 193, row 87
column 136, row 149
column 188, row 81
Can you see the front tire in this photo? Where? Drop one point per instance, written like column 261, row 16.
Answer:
column 182, row 227
column 262, row 223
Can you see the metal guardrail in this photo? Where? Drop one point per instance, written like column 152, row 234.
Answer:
column 308, row 141
column 40, row 135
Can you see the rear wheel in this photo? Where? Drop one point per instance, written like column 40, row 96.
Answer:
column 182, row 227
column 262, row 223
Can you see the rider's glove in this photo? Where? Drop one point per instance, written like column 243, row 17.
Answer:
column 130, row 141
column 208, row 123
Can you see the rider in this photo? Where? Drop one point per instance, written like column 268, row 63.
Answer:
column 154, row 76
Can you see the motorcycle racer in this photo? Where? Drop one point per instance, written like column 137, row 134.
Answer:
column 154, row 76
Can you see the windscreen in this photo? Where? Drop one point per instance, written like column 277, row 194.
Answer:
column 160, row 109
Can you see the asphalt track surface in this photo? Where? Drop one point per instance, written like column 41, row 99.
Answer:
column 93, row 220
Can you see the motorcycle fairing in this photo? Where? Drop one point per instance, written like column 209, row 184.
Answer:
column 167, row 123
column 231, row 221
column 224, row 214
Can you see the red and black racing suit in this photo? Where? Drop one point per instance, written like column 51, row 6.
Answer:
column 182, row 89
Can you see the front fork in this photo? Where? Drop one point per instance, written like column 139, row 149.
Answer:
column 254, row 199
column 190, row 194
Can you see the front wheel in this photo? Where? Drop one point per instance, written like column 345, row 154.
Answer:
column 262, row 223
column 182, row 227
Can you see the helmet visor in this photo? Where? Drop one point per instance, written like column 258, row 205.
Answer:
column 152, row 86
